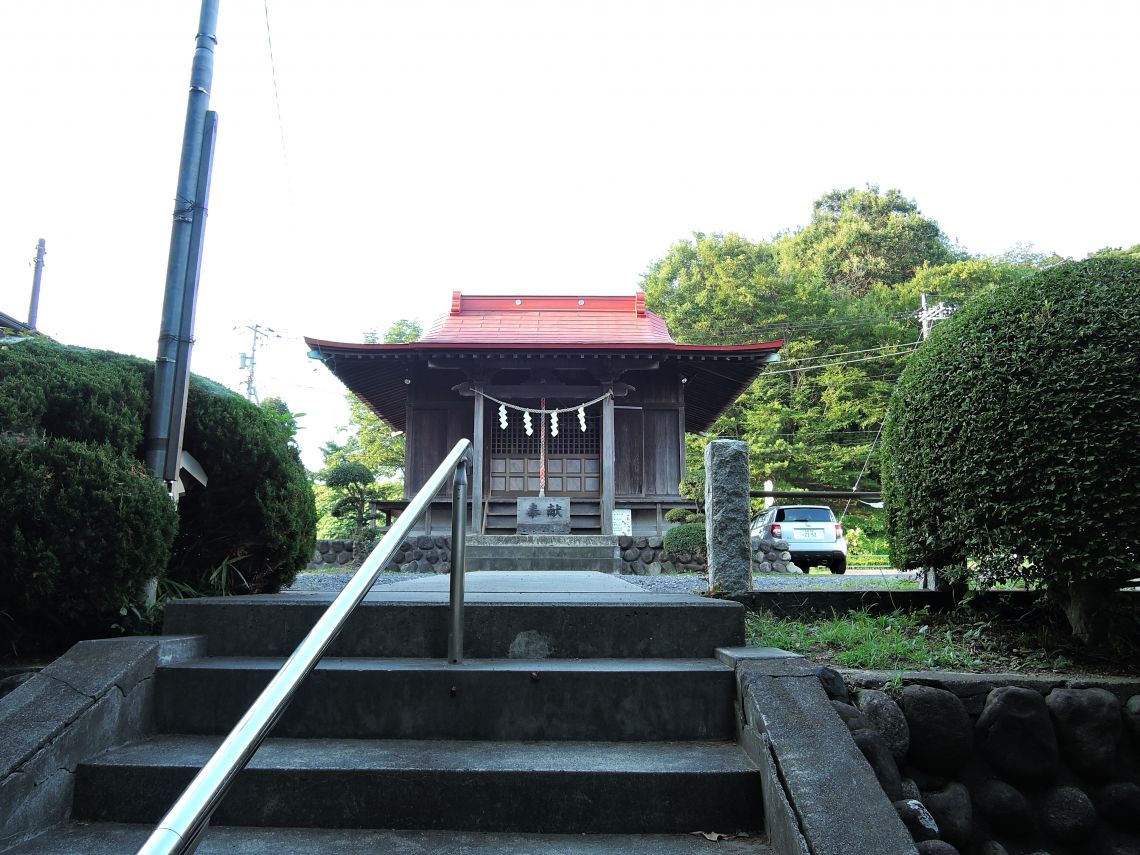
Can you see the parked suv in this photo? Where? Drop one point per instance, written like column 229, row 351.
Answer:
column 814, row 536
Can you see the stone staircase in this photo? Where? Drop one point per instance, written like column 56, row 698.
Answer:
column 595, row 721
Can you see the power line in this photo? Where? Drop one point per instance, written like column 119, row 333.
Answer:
column 823, row 323
column 850, row 352
column 277, row 100
column 833, row 364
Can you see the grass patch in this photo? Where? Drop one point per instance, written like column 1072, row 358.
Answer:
column 895, row 641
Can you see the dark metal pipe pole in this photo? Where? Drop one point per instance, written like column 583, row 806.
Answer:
column 185, row 202
column 34, row 307
column 458, row 553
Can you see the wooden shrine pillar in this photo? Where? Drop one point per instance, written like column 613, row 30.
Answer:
column 608, row 461
column 477, row 464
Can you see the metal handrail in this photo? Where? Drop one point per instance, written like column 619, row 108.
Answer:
column 181, row 829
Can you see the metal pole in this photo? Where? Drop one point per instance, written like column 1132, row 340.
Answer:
column 181, row 388
column 185, row 201
column 458, row 551
column 34, row 308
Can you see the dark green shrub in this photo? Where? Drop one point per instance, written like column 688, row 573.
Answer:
column 686, row 539
column 70, row 392
column 677, row 515
column 256, row 516
column 257, row 511
column 84, row 528
column 1012, row 439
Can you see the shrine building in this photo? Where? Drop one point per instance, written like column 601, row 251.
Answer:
column 579, row 404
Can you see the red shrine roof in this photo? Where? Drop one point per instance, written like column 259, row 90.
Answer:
column 548, row 321
column 593, row 329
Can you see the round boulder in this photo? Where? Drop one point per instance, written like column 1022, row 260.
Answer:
column 1005, row 808
column 941, row 737
column 1115, row 842
column 1067, row 814
column 951, row 809
column 625, row 541
column 1119, row 804
column 1015, row 734
column 854, row 719
column 878, row 756
column 917, row 819
column 885, row 717
column 935, row 847
column 630, row 554
column 1088, row 726
column 910, row 790
column 832, row 683
column 992, row 847
column 1132, row 715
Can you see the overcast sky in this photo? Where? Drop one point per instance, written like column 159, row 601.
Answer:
column 526, row 147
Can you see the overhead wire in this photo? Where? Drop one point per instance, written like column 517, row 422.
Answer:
column 277, row 101
column 893, row 355
column 848, row 352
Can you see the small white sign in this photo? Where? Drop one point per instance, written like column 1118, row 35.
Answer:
column 623, row 521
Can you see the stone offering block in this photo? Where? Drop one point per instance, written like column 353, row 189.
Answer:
column 543, row 515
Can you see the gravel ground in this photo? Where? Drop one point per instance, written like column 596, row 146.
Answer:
column 857, row 580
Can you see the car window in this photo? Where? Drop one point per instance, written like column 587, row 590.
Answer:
column 806, row 515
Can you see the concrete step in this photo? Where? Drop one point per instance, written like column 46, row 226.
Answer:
column 524, row 787
column 121, row 838
column 496, row 625
column 528, row 553
column 553, row 699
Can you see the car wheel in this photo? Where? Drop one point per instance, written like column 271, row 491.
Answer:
column 839, row 566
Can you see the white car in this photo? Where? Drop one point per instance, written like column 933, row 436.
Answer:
column 814, row 536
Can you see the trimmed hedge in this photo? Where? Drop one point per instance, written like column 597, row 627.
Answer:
column 1012, row 436
column 686, row 539
column 257, row 512
column 85, row 527
column 258, row 509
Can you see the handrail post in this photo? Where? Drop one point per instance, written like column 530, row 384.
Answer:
column 458, row 550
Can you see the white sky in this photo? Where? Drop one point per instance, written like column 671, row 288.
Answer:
column 526, row 147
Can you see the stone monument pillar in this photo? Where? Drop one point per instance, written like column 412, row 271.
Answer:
column 728, row 516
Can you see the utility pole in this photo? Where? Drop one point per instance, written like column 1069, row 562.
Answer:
column 172, row 365
column 928, row 314
column 34, row 308
column 249, row 360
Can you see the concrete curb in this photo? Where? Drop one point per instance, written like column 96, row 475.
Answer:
column 820, row 795
column 96, row 695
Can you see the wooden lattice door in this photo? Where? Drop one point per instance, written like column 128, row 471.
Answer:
column 573, row 458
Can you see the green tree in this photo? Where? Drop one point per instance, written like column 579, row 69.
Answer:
column 860, row 238
column 1011, row 438
column 813, row 420
column 370, row 441
column 354, row 486
column 285, row 418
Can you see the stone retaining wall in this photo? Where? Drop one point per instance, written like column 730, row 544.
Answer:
column 646, row 556
column 998, row 764
column 331, row 553
column 641, row 556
